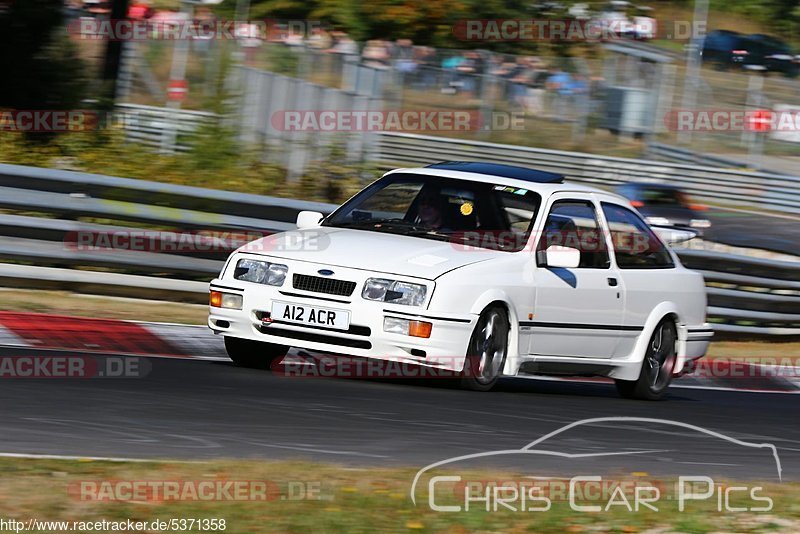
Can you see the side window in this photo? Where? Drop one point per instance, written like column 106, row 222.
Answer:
column 635, row 244
column 573, row 223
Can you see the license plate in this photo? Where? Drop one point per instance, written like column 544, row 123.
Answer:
column 289, row 312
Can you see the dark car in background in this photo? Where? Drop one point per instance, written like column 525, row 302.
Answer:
column 775, row 55
column 728, row 49
column 666, row 205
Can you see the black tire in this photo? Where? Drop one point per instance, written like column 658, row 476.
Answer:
column 657, row 366
column 254, row 354
column 487, row 350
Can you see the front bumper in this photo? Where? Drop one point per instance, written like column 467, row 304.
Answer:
column 445, row 348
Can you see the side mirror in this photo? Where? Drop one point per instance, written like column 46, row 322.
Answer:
column 561, row 257
column 308, row 219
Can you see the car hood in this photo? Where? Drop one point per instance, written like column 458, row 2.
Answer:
column 372, row 251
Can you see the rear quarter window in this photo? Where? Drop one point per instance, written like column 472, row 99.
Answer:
column 636, row 246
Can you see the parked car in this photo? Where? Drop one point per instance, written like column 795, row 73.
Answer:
column 666, row 206
column 485, row 270
column 727, row 49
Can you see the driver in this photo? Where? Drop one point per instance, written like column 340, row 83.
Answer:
column 429, row 211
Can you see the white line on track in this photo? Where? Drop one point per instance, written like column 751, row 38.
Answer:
column 90, row 458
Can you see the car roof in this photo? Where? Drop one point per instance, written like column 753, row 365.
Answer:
column 505, row 171
column 543, row 188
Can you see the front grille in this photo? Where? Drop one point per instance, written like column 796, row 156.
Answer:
column 317, row 284
column 313, row 336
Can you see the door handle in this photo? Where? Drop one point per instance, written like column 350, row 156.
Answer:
column 612, row 282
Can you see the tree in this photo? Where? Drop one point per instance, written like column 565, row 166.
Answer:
column 40, row 67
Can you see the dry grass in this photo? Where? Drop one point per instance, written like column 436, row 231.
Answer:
column 345, row 500
column 756, row 351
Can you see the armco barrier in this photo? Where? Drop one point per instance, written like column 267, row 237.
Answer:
column 746, row 295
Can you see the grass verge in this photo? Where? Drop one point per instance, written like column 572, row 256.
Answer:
column 336, row 499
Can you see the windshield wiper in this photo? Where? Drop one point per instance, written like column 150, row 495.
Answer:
column 379, row 224
column 403, row 227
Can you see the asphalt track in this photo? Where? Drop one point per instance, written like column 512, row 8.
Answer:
column 195, row 410
column 755, row 230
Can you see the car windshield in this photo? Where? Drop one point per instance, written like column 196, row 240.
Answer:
column 477, row 214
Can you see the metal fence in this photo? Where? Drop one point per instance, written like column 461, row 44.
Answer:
column 626, row 88
column 268, row 98
column 166, row 129
column 746, row 295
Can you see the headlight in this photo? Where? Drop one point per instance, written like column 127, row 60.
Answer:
column 260, row 272
column 393, row 291
column 219, row 299
column 700, row 223
column 658, row 221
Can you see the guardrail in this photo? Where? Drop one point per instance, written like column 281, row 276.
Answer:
column 764, row 191
column 664, row 152
column 149, row 125
column 746, row 295
column 749, row 295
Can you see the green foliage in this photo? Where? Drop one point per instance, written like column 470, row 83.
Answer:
column 431, row 23
column 334, row 179
column 215, row 161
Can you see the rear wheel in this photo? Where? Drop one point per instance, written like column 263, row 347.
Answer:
column 657, row 367
column 254, row 354
column 486, row 354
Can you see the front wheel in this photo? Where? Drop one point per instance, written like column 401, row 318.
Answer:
column 487, row 350
column 657, row 367
column 254, row 354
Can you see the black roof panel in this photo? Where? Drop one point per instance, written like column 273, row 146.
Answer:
column 497, row 169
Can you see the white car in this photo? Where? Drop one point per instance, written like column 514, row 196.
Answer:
column 485, row 270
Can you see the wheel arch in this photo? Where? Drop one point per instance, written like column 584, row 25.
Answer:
column 500, row 298
column 665, row 310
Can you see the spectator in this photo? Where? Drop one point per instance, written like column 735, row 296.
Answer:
column 518, row 78
column 404, row 57
column 294, row 38
column 319, row 39
column 469, row 71
column 559, row 86
column 425, row 59
column 534, row 97
column 343, row 44
column 376, row 55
